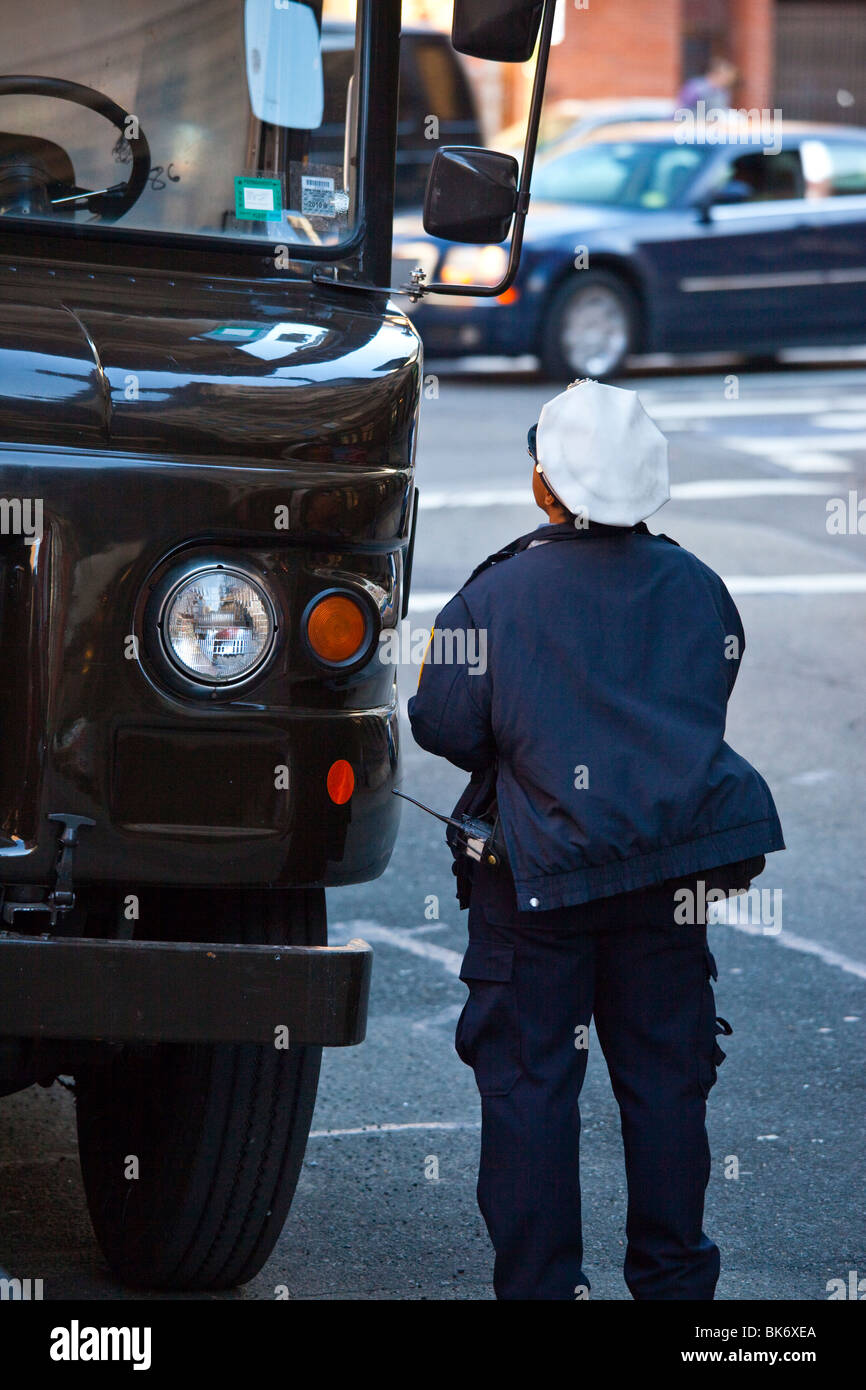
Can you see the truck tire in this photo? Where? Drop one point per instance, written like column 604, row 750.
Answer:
column 590, row 328
column 190, row 1153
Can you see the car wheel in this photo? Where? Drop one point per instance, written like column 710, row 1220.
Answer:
column 190, row 1153
column 590, row 328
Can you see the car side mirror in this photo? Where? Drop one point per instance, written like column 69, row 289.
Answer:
column 471, row 194
column 503, row 31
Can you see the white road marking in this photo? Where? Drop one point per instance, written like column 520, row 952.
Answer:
column 710, row 489
column 428, row 600
column 793, row 444
column 812, row 462
column 440, row 1019
column 396, row 1129
column 850, row 582
column 702, row 489
column 451, row 960
column 810, row 948
column 406, row 941
column 664, row 409
column 846, row 582
column 477, row 497
column 840, row 420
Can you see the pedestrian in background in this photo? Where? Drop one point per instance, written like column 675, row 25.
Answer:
column 595, row 733
column 713, row 88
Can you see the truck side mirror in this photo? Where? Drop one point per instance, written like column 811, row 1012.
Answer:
column 503, row 31
column 471, row 194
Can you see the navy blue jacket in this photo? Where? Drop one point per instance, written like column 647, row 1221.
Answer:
column 610, row 657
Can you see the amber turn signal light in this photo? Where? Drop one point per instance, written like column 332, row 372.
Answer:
column 337, row 628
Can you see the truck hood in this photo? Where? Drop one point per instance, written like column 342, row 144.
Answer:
column 141, row 364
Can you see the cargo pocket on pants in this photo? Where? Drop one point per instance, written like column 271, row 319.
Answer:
column 488, row 1029
column 710, row 1055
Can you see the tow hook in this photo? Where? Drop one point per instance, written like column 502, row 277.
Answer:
column 61, row 899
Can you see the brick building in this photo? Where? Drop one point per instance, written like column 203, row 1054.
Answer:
column 806, row 56
column 629, row 48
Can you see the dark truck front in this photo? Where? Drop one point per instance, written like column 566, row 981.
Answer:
column 208, row 413
column 206, row 461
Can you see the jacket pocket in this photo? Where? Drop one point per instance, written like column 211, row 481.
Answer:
column 710, row 1055
column 488, row 1029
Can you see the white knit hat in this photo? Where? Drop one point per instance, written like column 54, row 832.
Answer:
column 602, row 455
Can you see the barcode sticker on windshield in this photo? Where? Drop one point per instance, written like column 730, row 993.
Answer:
column 317, row 197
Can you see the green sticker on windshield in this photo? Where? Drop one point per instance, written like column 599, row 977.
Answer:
column 258, row 200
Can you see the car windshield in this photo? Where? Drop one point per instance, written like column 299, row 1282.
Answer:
column 218, row 117
column 621, row 173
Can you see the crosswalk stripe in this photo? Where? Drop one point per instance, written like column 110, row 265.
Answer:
column 846, row 582
column 704, row 408
column 702, row 489
column 793, row 444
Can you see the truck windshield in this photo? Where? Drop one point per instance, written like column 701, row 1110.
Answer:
column 218, row 117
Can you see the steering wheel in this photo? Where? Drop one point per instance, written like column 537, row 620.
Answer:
column 110, row 203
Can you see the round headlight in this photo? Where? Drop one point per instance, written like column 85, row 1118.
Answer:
column 217, row 626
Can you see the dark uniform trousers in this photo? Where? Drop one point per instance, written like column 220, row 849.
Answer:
column 535, row 980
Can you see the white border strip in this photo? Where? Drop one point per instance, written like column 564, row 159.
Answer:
column 396, row 1129
column 852, row 582
column 803, row 943
column 702, row 489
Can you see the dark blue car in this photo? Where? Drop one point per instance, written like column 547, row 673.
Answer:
column 666, row 237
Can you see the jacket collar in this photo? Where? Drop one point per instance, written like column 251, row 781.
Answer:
column 557, row 531
column 566, row 530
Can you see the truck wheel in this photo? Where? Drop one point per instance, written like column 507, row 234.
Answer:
column 590, row 327
column 190, row 1153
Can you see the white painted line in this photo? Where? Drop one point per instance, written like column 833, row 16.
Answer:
column 450, row 1125
column 708, row 407
column 450, row 960
column 477, row 497
column 812, row 776
column 712, row 489
column 788, row 444
column 429, row 600
column 812, row 462
column 840, row 420
column 810, row 948
column 406, row 941
column 850, row 582
column 702, row 489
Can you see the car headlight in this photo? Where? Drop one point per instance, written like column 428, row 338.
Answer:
column 217, row 625
column 474, row 265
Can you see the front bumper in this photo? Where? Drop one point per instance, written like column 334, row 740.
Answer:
column 156, row 991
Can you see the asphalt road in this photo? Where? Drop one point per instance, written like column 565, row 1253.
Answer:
column 385, row 1207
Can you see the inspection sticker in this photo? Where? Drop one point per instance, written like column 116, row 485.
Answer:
column 317, row 197
column 258, row 200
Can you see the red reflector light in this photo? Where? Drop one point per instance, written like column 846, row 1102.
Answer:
column 341, row 781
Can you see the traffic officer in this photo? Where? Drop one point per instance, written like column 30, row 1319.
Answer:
column 595, row 732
